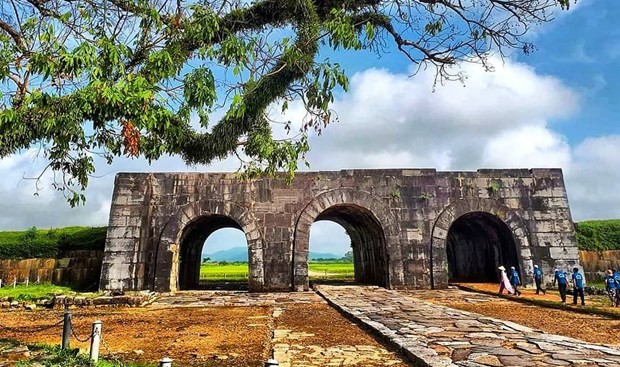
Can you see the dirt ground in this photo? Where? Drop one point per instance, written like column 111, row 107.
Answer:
column 333, row 340
column 551, row 295
column 588, row 327
column 216, row 336
column 315, row 334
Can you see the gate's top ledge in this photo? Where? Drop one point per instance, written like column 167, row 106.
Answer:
column 403, row 172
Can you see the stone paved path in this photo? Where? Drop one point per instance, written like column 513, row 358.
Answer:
column 440, row 336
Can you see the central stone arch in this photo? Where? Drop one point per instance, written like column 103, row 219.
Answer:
column 179, row 238
column 370, row 225
column 472, row 217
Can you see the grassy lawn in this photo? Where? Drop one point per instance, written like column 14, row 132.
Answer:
column 52, row 356
column 33, row 292
column 218, row 272
column 330, row 270
column 239, row 271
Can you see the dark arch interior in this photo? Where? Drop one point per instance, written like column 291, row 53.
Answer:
column 477, row 244
column 367, row 242
column 192, row 240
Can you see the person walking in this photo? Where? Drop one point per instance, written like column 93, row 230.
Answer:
column 611, row 287
column 504, row 283
column 515, row 281
column 560, row 278
column 538, row 275
column 578, row 282
column 617, row 279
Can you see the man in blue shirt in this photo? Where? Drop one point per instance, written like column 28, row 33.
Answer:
column 560, row 278
column 617, row 279
column 578, row 283
column 538, row 275
column 514, row 280
column 611, row 285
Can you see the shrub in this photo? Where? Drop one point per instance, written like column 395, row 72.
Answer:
column 598, row 235
column 49, row 243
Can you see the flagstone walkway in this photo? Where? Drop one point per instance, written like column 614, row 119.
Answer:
column 439, row 336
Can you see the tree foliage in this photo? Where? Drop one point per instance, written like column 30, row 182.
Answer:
column 598, row 235
column 143, row 77
column 50, row 243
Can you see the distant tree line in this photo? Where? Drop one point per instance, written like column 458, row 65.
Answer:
column 598, row 235
column 50, row 243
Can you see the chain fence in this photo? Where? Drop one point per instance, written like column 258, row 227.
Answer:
column 15, row 283
column 77, row 337
column 111, row 354
column 95, row 337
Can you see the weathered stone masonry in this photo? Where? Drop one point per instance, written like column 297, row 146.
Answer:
column 408, row 227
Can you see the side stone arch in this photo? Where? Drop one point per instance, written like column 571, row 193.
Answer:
column 342, row 197
column 513, row 218
column 169, row 242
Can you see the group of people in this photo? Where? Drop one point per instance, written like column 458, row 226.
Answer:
column 511, row 282
column 577, row 281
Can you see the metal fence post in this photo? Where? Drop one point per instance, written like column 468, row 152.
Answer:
column 165, row 362
column 66, row 330
column 94, row 341
column 272, row 363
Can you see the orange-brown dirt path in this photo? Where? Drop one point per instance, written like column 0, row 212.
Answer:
column 215, row 336
column 219, row 329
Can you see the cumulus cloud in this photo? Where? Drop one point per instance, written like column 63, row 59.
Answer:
column 593, row 176
column 392, row 120
column 506, row 118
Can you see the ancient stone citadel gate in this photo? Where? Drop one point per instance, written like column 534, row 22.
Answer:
column 408, row 227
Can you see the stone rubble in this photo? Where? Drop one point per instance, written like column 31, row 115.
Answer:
column 230, row 298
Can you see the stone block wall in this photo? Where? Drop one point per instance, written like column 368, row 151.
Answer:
column 398, row 219
column 79, row 268
column 595, row 263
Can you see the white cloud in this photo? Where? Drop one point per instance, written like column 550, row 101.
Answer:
column 593, row 178
column 392, row 120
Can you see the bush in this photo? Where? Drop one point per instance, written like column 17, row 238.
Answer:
column 50, row 243
column 598, row 235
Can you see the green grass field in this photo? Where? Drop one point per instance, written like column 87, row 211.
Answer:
column 33, row 292
column 218, row 272
column 239, row 271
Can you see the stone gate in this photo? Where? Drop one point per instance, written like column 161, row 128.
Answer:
column 416, row 228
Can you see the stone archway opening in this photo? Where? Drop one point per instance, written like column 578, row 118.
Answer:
column 330, row 257
column 194, row 237
column 367, row 241
column 477, row 243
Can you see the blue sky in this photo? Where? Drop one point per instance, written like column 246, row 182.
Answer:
column 557, row 107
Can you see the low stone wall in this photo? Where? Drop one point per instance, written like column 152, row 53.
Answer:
column 595, row 263
column 80, row 268
column 70, row 301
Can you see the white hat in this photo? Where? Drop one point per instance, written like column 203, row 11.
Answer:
column 535, row 266
column 512, row 267
column 501, row 267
